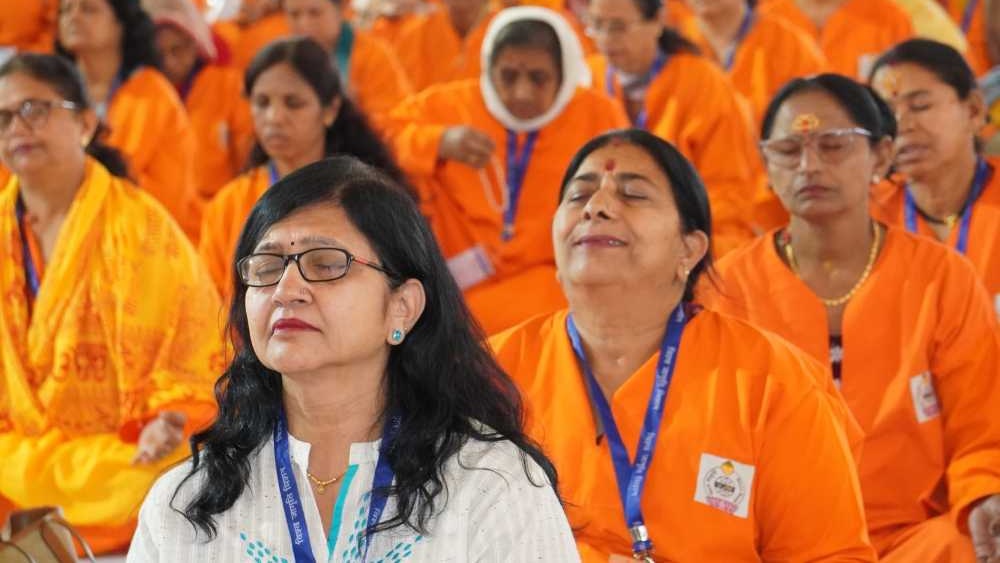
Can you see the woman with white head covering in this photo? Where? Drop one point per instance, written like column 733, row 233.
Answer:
column 486, row 156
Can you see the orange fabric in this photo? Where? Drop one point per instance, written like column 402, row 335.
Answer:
column 922, row 311
column 431, row 51
column 984, row 230
column 245, row 41
column 454, row 196
column 124, row 327
column 978, row 53
column 854, row 35
column 737, row 393
column 220, row 118
column 388, row 29
column 692, row 105
column 757, row 73
column 222, row 223
column 28, row 25
column 377, row 79
column 149, row 125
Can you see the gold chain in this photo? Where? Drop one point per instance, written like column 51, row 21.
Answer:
column 872, row 254
column 320, row 484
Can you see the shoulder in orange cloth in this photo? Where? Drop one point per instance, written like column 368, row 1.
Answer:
column 743, row 404
column 28, row 25
column 125, row 325
column 245, row 40
column 464, row 204
column 970, row 15
column 149, row 125
column 692, row 105
column 431, row 51
column 222, row 222
column 854, row 35
column 389, row 28
column 920, row 374
column 983, row 250
column 376, row 79
column 220, row 117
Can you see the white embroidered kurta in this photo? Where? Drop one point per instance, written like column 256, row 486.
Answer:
column 493, row 512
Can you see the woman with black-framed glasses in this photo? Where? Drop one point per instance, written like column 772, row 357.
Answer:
column 362, row 417
column 903, row 322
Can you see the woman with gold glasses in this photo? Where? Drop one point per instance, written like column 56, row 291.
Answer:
column 902, row 321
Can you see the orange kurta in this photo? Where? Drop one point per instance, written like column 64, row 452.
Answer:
column 220, row 117
column 245, row 41
column 28, row 25
column 124, row 326
column 854, row 35
column 222, row 223
column 388, row 29
column 464, row 204
column 692, row 105
column 737, row 394
column 919, row 372
column 150, row 126
column 431, row 51
column 978, row 54
column 376, row 78
column 984, row 230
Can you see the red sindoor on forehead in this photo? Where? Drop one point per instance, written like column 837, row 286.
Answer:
column 609, row 165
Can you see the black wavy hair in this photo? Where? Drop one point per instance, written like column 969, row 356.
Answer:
column 670, row 41
column 860, row 102
column 350, row 133
column 138, row 32
column 442, row 378
column 941, row 60
column 534, row 34
column 64, row 78
column 690, row 196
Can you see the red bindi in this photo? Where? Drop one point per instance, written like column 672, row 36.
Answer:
column 609, row 166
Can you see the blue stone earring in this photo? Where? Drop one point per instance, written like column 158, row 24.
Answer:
column 396, row 337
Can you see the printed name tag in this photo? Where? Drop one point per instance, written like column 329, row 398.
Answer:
column 724, row 484
column 925, row 400
column 470, row 267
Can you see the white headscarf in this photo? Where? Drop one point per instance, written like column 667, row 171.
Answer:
column 185, row 16
column 575, row 72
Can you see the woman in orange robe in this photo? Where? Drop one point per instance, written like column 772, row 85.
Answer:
column 445, row 43
column 851, row 33
column 902, row 321
column 682, row 97
column 486, row 156
column 369, row 71
column 300, row 115
column 111, row 42
column 212, row 95
column 731, row 426
column 109, row 326
column 949, row 191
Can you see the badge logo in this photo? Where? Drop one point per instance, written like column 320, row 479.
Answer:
column 724, row 484
column 925, row 399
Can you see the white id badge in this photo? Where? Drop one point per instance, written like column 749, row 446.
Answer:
column 865, row 64
column 470, row 267
column 6, row 53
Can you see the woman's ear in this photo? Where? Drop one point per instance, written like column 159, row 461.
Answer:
column 696, row 245
column 331, row 111
column 884, row 154
column 976, row 104
column 89, row 123
column 406, row 304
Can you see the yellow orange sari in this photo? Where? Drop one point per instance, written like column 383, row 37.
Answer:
column 125, row 324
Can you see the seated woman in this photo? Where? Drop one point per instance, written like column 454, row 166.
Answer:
column 212, row 94
column 950, row 191
column 368, row 68
column 742, row 431
column 670, row 90
column 902, row 321
column 365, row 418
column 109, row 332
column 300, row 114
column 111, row 42
column 486, row 156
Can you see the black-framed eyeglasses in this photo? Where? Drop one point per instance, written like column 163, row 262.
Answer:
column 33, row 112
column 316, row 265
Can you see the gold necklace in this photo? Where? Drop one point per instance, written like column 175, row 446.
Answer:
column 872, row 254
column 320, row 484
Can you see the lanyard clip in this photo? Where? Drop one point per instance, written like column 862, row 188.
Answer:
column 642, row 548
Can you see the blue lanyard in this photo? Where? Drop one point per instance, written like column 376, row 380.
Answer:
column 631, row 477
column 745, row 26
column 298, row 530
column 517, row 169
column 272, row 172
column 31, row 278
column 970, row 11
column 654, row 71
column 978, row 184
